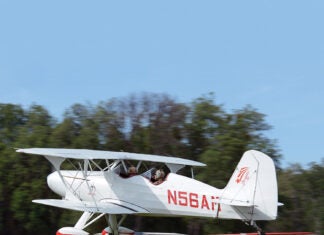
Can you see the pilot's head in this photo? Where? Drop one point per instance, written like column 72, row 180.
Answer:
column 132, row 170
column 159, row 174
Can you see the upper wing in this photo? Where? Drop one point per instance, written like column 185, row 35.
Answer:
column 98, row 154
column 107, row 207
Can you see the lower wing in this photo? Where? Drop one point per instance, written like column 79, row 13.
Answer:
column 106, row 206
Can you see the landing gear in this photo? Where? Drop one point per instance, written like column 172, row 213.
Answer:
column 253, row 223
column 114, row 226
column 121, row 231
column 259, row 230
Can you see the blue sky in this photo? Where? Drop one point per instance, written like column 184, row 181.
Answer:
column 266, row 53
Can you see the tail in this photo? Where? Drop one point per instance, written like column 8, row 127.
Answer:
column 252, row 190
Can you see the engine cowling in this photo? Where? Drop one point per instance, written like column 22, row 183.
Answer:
column 121, row 230
column 71, row 231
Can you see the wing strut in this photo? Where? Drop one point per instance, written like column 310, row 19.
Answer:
column 83, row 221
column 84, row 172
column 56, row 162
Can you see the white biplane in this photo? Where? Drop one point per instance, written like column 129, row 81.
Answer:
column 117, row 184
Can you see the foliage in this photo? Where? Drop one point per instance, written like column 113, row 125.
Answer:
column 147, row 123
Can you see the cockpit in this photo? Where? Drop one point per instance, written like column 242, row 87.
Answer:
column 154, row 172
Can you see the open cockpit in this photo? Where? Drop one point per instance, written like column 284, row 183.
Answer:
column 155, row 173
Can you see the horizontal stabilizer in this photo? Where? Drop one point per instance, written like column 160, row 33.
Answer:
column 100, row 207
column 232, row 202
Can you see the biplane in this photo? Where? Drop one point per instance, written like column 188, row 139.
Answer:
column 118, row 184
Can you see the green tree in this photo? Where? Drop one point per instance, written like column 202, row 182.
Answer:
column 12, row 117
column 21, row 175
column 314, row 197
column 203, row 123
column 29, row 173
column 85, row 127
column 301, row 190
column 64, row 134
column 110, row 119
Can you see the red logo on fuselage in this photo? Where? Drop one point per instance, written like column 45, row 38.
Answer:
column 243, row 175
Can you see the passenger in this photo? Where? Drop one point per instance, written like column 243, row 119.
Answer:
column 159, row 177
column 152, row 176
column 132, row 171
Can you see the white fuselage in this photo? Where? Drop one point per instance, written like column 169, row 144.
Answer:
column 176, row 196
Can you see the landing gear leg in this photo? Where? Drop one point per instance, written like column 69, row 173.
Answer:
column 115, row 227
column 112, row 221
column 259, row 230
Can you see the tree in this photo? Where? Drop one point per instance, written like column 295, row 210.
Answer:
column 301, row 191
column 11, row 118
column 314, row 197
column 110, row 119
column 84, row 126
column 22, row 175
column 203, row 123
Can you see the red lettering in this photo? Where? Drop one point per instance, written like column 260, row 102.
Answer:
column 183, row 200
column 172, row 197
column 219, row 206
column 193, row 198
column 213, row 203
column 204, row 202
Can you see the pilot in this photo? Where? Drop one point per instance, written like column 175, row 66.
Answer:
column 132, row 171
column 159, row 177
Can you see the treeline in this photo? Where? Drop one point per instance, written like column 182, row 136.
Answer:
column 147, row 123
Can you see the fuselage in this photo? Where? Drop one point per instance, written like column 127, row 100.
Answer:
column 176, row 196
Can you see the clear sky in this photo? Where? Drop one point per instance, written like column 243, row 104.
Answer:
column 266, row 53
